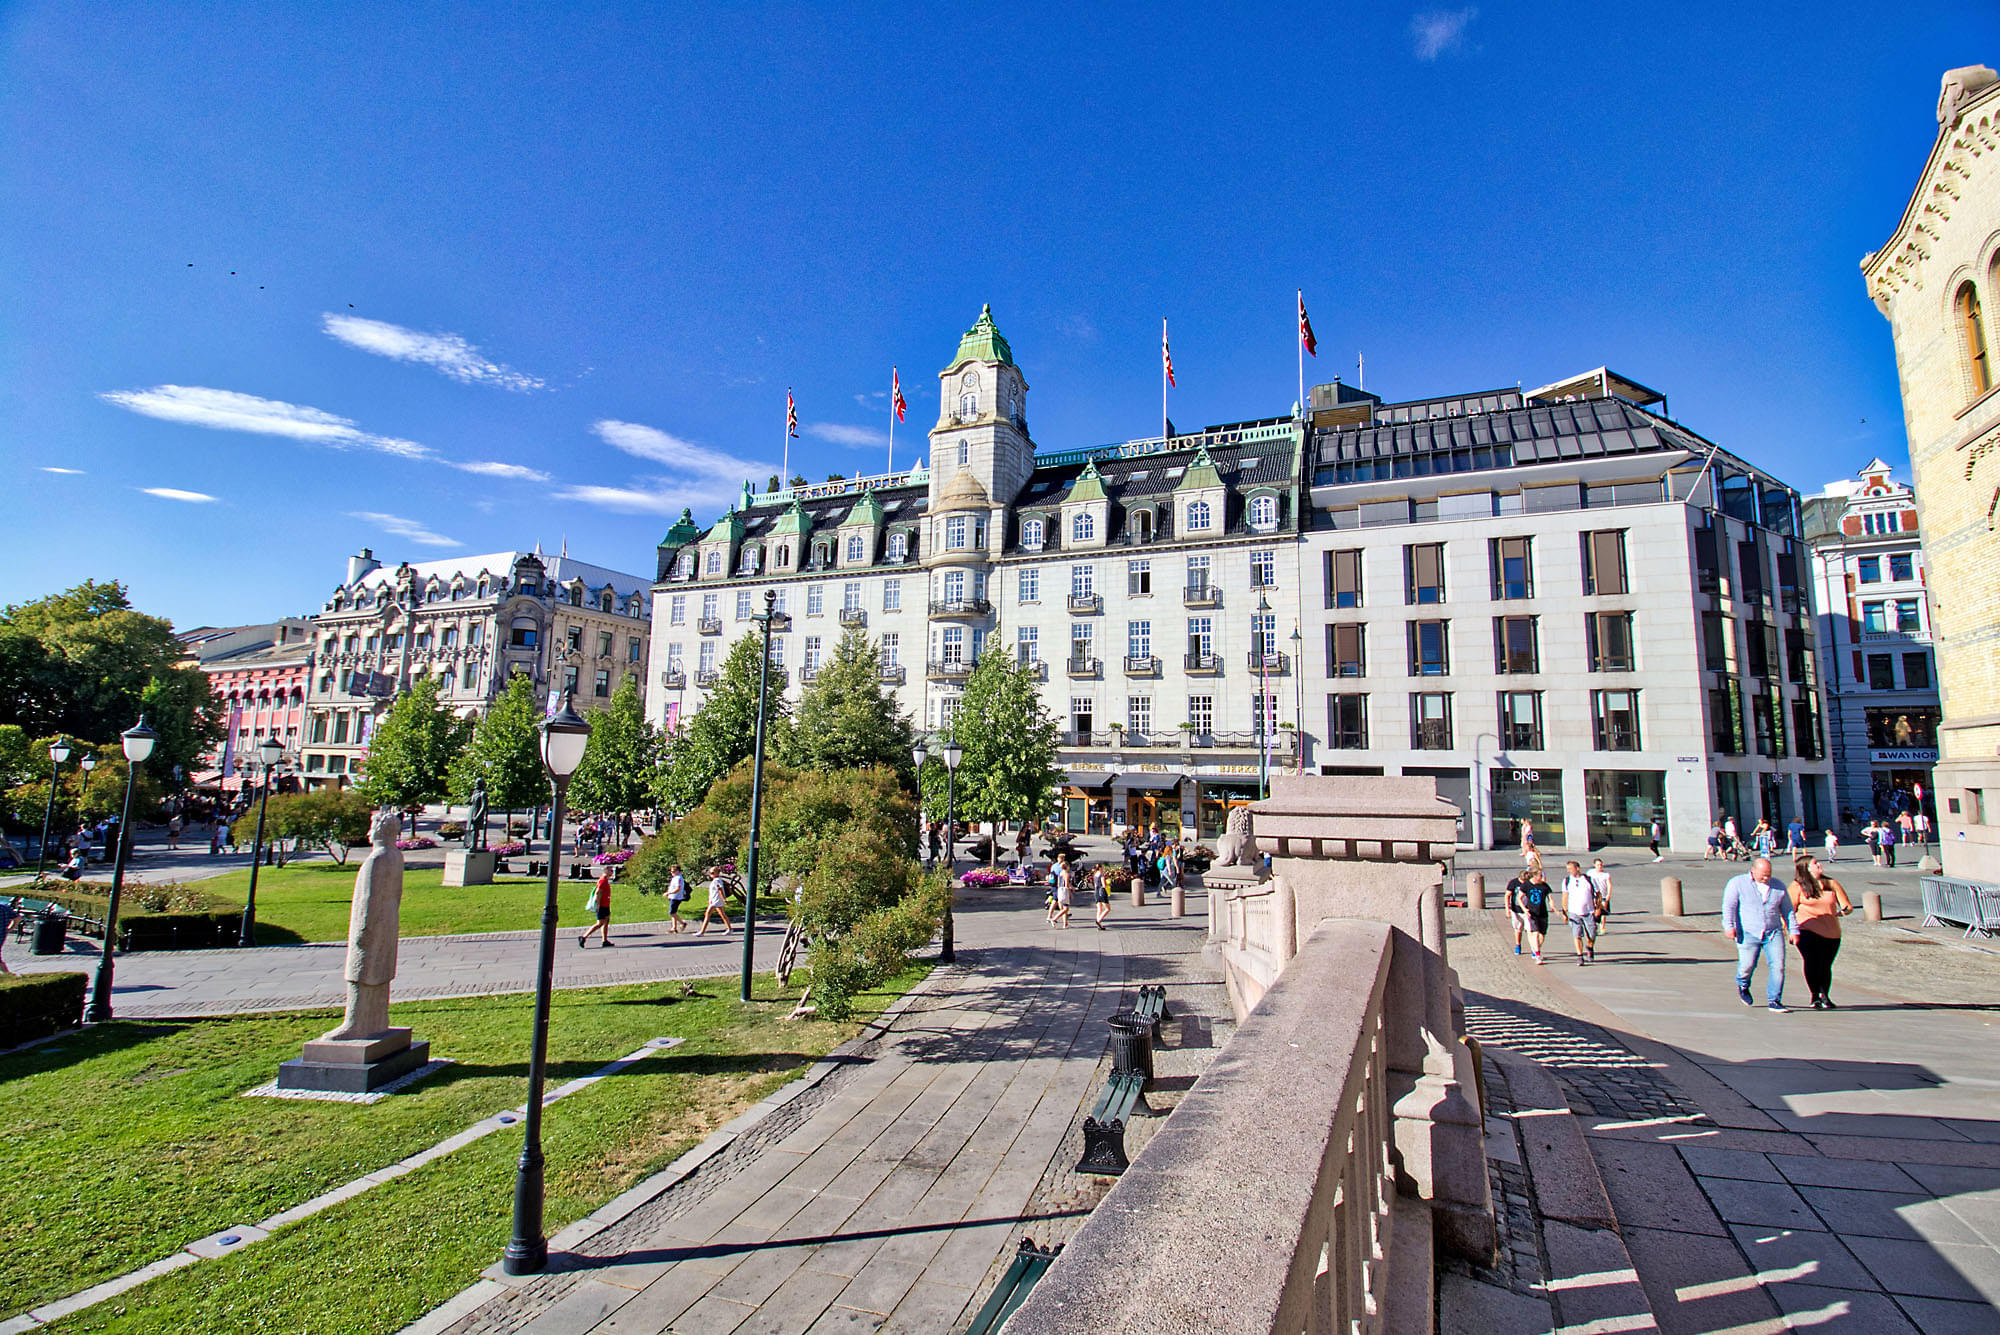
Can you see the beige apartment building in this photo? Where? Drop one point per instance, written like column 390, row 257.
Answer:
column 1937, row 279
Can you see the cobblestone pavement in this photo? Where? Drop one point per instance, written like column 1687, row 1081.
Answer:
column 1836, row 1171
column 884, row 1197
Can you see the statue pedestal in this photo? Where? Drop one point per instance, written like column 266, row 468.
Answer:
column 354, row 1065
column 464, row 866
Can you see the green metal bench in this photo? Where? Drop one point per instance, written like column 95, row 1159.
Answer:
column 1028, row 1266
column 1152, row 1007
column 1104, row 1129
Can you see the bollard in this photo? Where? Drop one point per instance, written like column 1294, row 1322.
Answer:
column 1670, row 897
column 1180, row 902
column 1475, row 891
column 1871, row 905
column 1138, row 892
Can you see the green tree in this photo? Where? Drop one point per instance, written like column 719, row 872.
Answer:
column 845, row 719
column 506, row 751
column 329, row 817
column 411, row 753
column 80, row 661
column 1009, row 769
column 723, row 731
column 180, row 706
column 619, row 764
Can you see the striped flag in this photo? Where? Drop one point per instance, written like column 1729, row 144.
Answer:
column 1166, row 354
column 896, row 393
column 791, row 416
column 1306, row 338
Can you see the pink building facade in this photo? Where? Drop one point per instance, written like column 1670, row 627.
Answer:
column 265, row 696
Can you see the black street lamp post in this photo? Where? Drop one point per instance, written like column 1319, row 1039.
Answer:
column 1263, row 653
column 769, row 618
column 563, row 740
column 58, row 752
column 951, row 755
column 138, row 741
column 269, row 752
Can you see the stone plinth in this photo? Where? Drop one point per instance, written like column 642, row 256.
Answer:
column 464, row 866
column 354, row 1065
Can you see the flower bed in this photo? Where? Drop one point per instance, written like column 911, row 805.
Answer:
column 983, row 878
column 510, row 850
column 415, row 842
column 617, row 857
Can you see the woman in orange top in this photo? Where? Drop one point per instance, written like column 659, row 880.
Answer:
column 1818, row 904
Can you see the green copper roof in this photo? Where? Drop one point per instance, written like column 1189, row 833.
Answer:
column 683, row 532
column 1201, row 473
column 1089, row 485
column 866, row 511
column 983, row 343
column 729, row 526
column 793, row 520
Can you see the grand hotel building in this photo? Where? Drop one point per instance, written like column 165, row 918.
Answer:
column 1561, row 605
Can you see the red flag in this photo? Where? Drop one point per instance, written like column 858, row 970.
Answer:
column 791, row 415
column 1166, row 355
column 1306, row 328
column 896, row 393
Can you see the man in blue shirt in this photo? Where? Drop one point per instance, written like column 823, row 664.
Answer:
column 1757, row 916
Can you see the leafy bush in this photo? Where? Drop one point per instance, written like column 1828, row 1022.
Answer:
column 617, row 857
column 334, row 819
column 517, row 827
column 36, row 1005
column 187, row 918
column 876, row 948
column 451, row 829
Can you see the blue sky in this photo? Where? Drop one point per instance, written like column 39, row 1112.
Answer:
column 440, row 279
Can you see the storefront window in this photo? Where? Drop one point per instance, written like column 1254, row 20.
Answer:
column 1213, row 801
column 1623, row 804
column 1902, row 727
column 1527, row 794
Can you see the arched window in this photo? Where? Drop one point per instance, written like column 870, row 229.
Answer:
column 687, row 563
column 899, row 546
column 482, row 588
column 1263, row 512
column 1031, row 532
column 855, row 547
column 605, row 600
column 1199, row 516
column 1083, row 528
column 715, row 563
column 784, row 556
column 968, row 406
column 964, row 454
column 1972, row 328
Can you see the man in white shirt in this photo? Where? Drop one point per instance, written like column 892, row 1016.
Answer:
column 1580, row 904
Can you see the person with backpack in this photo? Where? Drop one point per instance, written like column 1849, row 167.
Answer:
column 1888, row 838
column 677, row 895
column 600, row 906
column 1528, row 898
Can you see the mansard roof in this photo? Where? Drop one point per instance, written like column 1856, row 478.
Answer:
column 982, row 343
column 1535, row 433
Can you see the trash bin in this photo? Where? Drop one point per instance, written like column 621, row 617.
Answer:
column 1131, row 1045
column 50, row 933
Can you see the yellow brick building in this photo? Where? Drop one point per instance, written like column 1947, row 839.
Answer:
column 1938, row 282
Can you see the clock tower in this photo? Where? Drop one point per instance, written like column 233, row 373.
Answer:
column 982, row 426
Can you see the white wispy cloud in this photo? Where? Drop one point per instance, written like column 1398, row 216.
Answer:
column 176, row 494
column 448, row 354
column 70, row 472
column 1441, row 31
column 698, row 476
column 490, row 468
column 407, row 529
column 228, row 410
column 630, row 500
column 860, row 437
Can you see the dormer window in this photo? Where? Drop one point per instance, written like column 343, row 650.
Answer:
column 1200, row 516
column 1031, row 532
column 1142, row 525
column 482, row 588
column 784, row 556
column 1083, row 528
column 1263, row 512
column 899, row 546
column 687, row 566
column 715, row 562
column 855, row 547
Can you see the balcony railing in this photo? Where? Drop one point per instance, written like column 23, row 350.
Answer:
column 950, row 671
column 1283, row 742
column 1147, row 666
column 809, row 674
column 853, row 616
column 708, row 626
column 1086, row 603
column 673, row 677
column 891, row 673
column 1036, row 668
column 1272, row 664
column 960, row 607
column 705, row 676
column 1085, row 667
column 1202, row 595
column 1204, row 665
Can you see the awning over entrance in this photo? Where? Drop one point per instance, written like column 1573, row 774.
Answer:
column 1087, row 778
column 1152, row 782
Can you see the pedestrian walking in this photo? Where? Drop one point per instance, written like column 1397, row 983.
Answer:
column 8, row 908
column 1600, row 881
column 1923, row 831
column 228, row 831
column 1528, row 904
column 1818, row 904
column 1580, row 907
column 600, row 907
column 1764, row 839
column 1065, row 890
column 1021, row 845
column 937, row 842
column 1887, row 838
column 1658, row 832
column 1832, row 846
column 1731, row 837
column 1527, row 834
column 174, row 830
column 718, row 901
column 1795, row 836
column 1757, row 916
column 1872, row 832
column 677, row 894
column 1714, row 849
column 1101, row 883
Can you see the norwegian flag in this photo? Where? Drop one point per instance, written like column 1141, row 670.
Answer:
column 1166, row 354
column 791, row 416
column 1306, row 338
column 896, row 393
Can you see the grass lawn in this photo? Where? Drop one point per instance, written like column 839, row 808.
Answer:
column 129, row 1141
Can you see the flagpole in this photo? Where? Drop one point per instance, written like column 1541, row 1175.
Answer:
column 785, row 468
column 892, row 419
column 1302, row 355
column 1163, row 377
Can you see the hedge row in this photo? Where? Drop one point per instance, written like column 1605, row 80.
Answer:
column 36, row 1005
column 138, row 929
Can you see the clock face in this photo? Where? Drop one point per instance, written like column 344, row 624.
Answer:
column 970, row 382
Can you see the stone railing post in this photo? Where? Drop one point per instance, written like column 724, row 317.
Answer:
column 1670, row 897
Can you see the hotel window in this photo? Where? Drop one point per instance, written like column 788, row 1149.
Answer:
column 954, row 533
column 1610, row 637
column 1343, row 578
column 1875, row 618
column 1201, row 713
column 892, row 595
column 471, row 676
column 318, row 733
column 1513, row 576
column 575, row 638
column 1429, row 649
column 743, row 605
column 1082, row 581
column 340, row 728
column 602, row 686
column 855, row 547
column 1604, row 562
column 1347, row 722
column 1082, row 717
column 1423, row 573
column 1031, row 533
column 1916, row 672
column 1263, row 512
column 1201, row 637
column 1264, row 713
column 1197, row 574
column 677, row 610
column 1138, row 715
column 1028, row 644
column 892, row 646
column 1520, row 720
column 1614, row 717
column 1083, row 528
column 778, row 651
column 1902, row 566
column 1430, row 721
column 1881, row 672
column 784, row 561
column 711, row 606
column 450, row 639
column 1514, row 645
column 811, row 660
column 1725, row 723
column 715, row 562
column 1138, row 639
column 604, row 643
column 570, row 676
column 707, row 657
column 1200, row 515
column 523, row 636
column 1906, row 615
column 815, row 599
column 954, row 586
column 1081, row 638
column 784, row 604
column 1264, row 633
column 673, row 658
column 1869, row 569
column 1030, row 586
column 1346, row 650
column 1138, row 577
column 850, row 597
column 1972, row 329
column 899, row 546
column 1263, row 570
column 954, row 645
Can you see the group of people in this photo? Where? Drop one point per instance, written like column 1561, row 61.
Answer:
column 1585, row 898
column 678, row 893
column 1760, row 915
column 1067, row 879
column 595, row 833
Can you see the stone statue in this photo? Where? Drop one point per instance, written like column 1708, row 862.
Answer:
column 1235, row 848
column 373, row 928
column 1960, row 86
column 475, row 818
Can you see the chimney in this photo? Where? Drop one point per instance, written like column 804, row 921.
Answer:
column 357, row 566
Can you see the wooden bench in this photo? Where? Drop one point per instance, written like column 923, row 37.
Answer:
column 1030, row 1263
column 1104, row 1128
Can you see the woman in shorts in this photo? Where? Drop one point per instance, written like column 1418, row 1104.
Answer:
column 1100, row 884
column 718, row 901
column 1528, row 906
